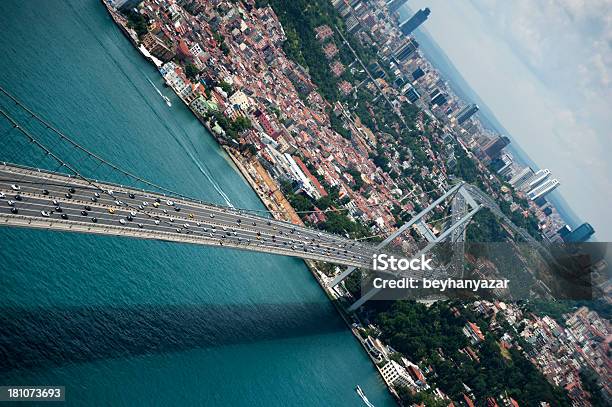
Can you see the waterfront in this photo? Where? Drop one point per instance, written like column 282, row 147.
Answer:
column 153, row 322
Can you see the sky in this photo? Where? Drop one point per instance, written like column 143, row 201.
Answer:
column 544, row 67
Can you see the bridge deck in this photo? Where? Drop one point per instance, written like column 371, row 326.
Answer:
column 95, row 207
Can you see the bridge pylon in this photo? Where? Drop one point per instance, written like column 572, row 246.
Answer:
column 462, row 213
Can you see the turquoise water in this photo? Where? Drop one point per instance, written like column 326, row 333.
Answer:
column 127, row 322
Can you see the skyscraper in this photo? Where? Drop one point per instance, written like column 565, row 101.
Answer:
column 581, row 234
column 520, row 179
column 494, row 148
column 540, row 177
column 466, row 113
column 416, row 20
column 394, row 5
column 543, row 189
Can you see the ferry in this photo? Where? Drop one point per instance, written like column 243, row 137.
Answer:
column 363, row 397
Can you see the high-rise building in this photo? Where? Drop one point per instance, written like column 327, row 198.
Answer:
column 412, row 95
column 418, row 73
column 538, row 179
column 465, row 113
column 394, row 5
column 520, row 179
column 406, row 51
column 494, row 147
column 416, row 20
column 543, row 189
column 581, row 234
column 439, row 99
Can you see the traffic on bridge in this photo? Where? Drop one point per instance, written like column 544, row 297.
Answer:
column 39, row 199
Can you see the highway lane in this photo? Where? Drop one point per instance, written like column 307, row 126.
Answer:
column 217, row 225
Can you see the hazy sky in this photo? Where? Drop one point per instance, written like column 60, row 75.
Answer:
column 544, row 67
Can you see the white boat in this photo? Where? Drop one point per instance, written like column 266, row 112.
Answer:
column 166, row 99
column 363, row 397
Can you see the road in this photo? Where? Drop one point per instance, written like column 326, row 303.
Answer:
column 37, row 199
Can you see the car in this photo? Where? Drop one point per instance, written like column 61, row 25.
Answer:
column 64, row 216
column 191, row 215
column 71, row 190
column 57, row 209
column 122, row 221
column 111, row 210
column 212, row 216
column 45, row 192
column 68, row 195
column 110, row 192
column 130, row 218
column 94, row 219
column 2, row 195
column 94, row 199
column 156, row 204
column 18, row 197
column 198, row 224
column 131, row 195
column 254, row 224
column 169, row 203
column 239, row 221
column 224, row 229
column 156, row 222
column 55, row 202
column 145, row 203
column 141, row 207
column 118, row 202
column 97, row 195
column 139, row 225
column 157, row 200
column 10, row 203
column 178, row 230
column 84, row 213
column 186, row 225
column 211, row 235
column 176, row 208
column 171, row 219
column 165, row 211
column 45, row 214
column 15, row 187
column 205, row 230
column 132, row 213
column 87, row 207
column 14, row 210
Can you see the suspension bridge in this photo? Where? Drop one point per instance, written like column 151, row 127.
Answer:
column 64, row 199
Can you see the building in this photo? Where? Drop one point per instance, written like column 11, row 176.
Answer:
column 538, row 179
column 394, row 5
column 494, row 147
column 472, row 331
column 157, row 47
column 396, row 374
column 543, row 189
column 466, row 113
column 406, row 51
column 520, row 179
column 416, row 20
column 581, row 234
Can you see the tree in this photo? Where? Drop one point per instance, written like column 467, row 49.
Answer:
column 191, row 71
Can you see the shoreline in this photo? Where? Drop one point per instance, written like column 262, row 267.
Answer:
column 273, row 208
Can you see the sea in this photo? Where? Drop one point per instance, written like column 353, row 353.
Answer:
column 124, row 322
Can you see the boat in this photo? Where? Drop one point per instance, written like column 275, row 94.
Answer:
column 166, row 99
column 363, row 397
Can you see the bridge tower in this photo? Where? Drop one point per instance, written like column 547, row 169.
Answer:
column 463, row 208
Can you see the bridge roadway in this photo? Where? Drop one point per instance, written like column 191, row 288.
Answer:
column 39, row 199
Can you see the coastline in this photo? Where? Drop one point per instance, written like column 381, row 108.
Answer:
column 278, row 207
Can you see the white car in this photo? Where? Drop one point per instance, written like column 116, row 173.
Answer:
column 45, row 214
column 156, row 222
column 15, row 187
column 170, row 203
column 2, row 195
column 122, row 221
